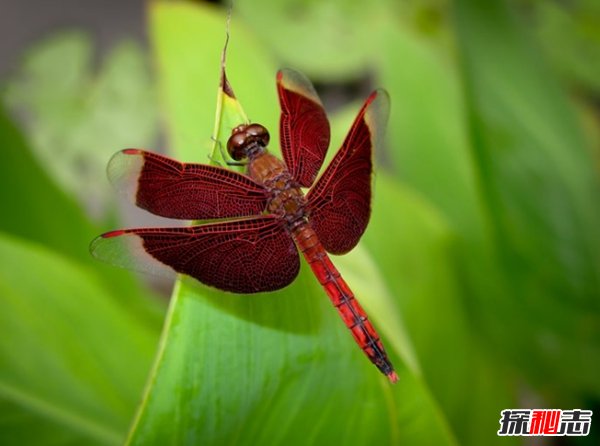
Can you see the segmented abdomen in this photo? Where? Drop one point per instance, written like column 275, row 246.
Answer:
column 343, row 299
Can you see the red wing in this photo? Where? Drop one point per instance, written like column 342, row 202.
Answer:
column 340, row 202
column 172, row 189
column 241, row 256
column 303, row 126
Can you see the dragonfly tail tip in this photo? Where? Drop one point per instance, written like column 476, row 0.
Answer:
column 393, row 377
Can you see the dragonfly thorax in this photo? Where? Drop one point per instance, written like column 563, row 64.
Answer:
column 247, row 141
column 287, row 200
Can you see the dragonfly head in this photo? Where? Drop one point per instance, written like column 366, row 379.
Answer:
column 247, row 139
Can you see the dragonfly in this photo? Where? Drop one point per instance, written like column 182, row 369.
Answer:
column 264, row 219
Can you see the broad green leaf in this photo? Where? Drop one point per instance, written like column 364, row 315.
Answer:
column 428, row 135
column 72, row 361
column 415, row 258
column 267, row 369
column 35, row 208
column 76, row 119
column 38, row 210
column 427, row 143
column 540, row 188
column 274, row 368
column 17, row 419
column 570, row 36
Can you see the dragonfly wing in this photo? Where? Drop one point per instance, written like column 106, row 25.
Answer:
column 241, row 256
column 340, row 201
column 303, row 126
column 172, row 189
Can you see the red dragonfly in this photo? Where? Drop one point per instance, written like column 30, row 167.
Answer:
column 270, row 217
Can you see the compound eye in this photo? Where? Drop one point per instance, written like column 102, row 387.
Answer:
column 236, row 146
column 259, row 132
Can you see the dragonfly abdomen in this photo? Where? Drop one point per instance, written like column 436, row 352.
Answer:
column 343, row 299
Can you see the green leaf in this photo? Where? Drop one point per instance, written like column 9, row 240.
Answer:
column 74, row 362
column 259, row 371
column 229, row 114
column 36, row 208
column 570, row 36
column 429, row 143
column 329, row 40
column 539, row 186
column 77, row 119
column 39, row 211
column 263, row 368
column 189, row 75
column 415, row 258
column 276, row 368
column 415, row 244
column 47, row 384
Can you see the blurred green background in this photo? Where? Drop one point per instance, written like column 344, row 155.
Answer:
column 480, row 267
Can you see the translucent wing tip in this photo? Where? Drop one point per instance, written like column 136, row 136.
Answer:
column 124, row 248
column 102, row 247
column 376, row 114
column 124, row 170
column 378, row 104
column 297, row 82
